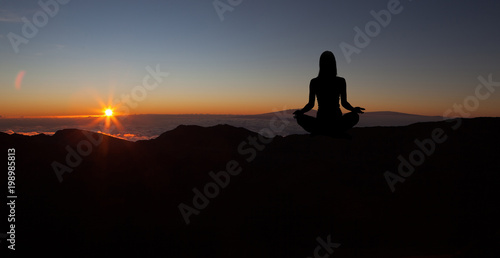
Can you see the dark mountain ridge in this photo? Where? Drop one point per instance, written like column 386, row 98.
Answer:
column 283, row 194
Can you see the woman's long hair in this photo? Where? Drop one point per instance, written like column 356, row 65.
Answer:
column 327, row 65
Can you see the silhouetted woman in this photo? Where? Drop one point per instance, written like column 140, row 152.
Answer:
column 328, row 88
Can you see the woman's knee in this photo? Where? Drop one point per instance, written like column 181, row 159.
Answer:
column 351, row 119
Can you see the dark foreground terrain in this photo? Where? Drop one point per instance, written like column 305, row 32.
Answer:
column 294, row 196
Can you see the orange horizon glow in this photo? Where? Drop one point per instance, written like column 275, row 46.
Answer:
column 88, row 104
column 114, row 116
column 90, row 101
column 80, row 102
column 485, row 110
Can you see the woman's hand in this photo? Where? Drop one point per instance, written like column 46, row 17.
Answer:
column 358, row 110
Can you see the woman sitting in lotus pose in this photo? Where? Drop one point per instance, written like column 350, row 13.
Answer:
column 328, row 88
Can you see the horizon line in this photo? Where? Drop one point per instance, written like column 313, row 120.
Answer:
column 188, row 114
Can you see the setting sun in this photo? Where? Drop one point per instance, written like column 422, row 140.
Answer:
column 108, row 112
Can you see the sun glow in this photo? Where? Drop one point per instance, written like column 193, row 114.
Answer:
column 109, row 119
column 108, row 112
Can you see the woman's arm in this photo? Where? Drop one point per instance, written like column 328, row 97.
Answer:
column 312, row 98
column 345, row 103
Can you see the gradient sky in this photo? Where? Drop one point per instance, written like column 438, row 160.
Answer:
column 260, row 58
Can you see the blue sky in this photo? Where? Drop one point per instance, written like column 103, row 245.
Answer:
column 259, row 58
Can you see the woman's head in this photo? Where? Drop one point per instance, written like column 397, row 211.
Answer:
column 327, row 65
